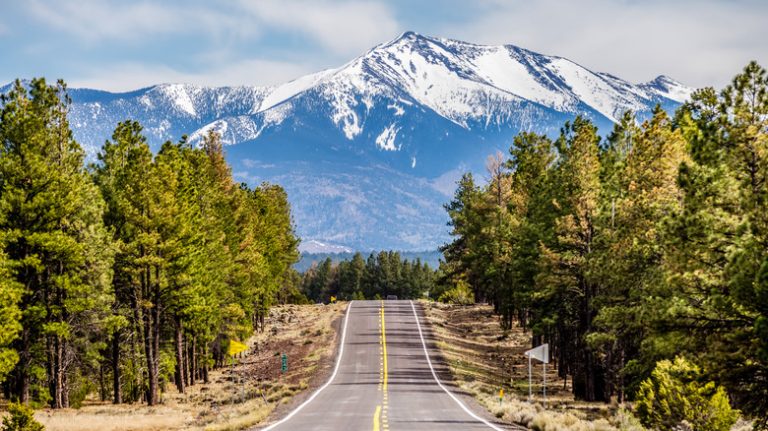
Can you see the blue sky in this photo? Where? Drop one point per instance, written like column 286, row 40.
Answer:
column 123, row 45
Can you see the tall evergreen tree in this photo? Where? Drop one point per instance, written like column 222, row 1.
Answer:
column 565, row 280
column 10, row 315
column 640, row 189
column 55, row 240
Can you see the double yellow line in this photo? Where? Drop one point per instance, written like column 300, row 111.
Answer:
column 380, row 416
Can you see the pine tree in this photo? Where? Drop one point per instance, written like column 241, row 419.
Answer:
column 131, row 186
column 639, row 189
column 531, row 205
column 715, row 244
column 565, row 279
column 10, row 315
column 55, row 239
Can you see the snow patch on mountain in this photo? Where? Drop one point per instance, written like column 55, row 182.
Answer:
column 386, row 140
column 180, row 98
column 284, row 92
column 668, row 88
column 314, row 246
column 498, row 66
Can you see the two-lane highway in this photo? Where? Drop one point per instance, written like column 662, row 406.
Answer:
column 384, row 379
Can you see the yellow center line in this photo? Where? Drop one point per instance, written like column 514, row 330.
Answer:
column 380, row 416
column 384, row 346
column 376, row 418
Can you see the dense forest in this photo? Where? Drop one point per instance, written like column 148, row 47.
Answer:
column 380, row 275
column 631, row 250
column 132, row 272
column 306, row 259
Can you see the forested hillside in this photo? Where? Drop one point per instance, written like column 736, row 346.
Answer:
column 130, row 274
column 628, row 251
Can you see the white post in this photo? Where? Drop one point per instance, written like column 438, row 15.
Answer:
column 530, row 387
column 545, row 382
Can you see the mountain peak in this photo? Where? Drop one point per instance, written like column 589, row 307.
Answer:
column 368, row 152
column 670, row 88
column 665, row 80
column 406, row 38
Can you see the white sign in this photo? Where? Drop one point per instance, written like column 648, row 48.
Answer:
column 541, row 353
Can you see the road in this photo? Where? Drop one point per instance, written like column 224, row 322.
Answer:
column 384, row 380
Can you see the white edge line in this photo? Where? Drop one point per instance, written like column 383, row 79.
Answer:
column 429, row 362
column 333, row 376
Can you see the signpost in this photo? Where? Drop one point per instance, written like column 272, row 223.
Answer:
column 235, row 348
column 501, row 395
column 540, row 353
column 284, row 363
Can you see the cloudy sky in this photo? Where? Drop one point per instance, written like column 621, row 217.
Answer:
column 123, row 45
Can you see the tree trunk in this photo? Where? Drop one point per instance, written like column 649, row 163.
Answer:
column 102, row 384
column 117, row 392
column 205, row 364
column 185, row 370
column 193, row 370
column 63, row 366
column 150, row 359
column 149, row 344
column 50, row 369
column 156, row 337
column 179, row 373
column 59, row 373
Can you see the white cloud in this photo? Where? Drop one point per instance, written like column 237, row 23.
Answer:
column 250, row 164
column 446, row 183
column 99, row 21
column 247, row 178
column 699, row 43
column 340, row 28
column 130, row 76
column 343, row 27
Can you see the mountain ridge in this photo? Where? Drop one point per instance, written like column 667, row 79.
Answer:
column 369, row 151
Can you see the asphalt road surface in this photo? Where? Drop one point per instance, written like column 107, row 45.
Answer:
column 387, row 378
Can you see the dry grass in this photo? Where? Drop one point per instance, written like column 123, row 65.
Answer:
column 226, row 404
column 482, row 358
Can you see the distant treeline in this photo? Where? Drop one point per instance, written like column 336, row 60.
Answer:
column 380, row 275
column 132, row 273
column 431, row 258
column 626, row 251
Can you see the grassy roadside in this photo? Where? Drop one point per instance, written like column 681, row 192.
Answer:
column 236, row 398
column 483, row 359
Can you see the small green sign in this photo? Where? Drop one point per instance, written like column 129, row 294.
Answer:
column 284, row 366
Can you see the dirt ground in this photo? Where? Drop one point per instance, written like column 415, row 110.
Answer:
column 483, row 359
column 478, row 350
column 237, row 397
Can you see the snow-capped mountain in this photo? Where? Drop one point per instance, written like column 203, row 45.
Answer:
column 369, row 152
column 314, row 247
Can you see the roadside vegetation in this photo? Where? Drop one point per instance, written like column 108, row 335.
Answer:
column 642, row 258
column 125, row 279
column 484, row 358
column 238, row 395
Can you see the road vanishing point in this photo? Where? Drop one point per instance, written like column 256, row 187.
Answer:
column 387, row 377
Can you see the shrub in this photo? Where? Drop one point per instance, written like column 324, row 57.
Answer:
column 460, row 294
column 674, row 396
column 20, row 418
